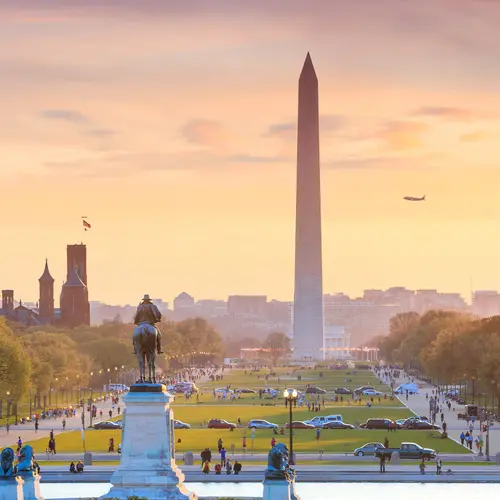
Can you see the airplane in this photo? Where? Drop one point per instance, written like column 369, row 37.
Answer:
column 412, row 198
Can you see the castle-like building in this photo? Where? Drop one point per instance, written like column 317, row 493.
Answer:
column 74, row 307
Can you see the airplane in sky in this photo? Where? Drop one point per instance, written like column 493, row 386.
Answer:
column 413, row 198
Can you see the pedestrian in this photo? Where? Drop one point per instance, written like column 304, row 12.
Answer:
column 439, row 466
column 318, row 435
column 237, row 468
column 273, row 442
column 382, row 463
column 244, row 444
column 229, row 468
column 219, row 444
column 36, row 426
column 223, row 456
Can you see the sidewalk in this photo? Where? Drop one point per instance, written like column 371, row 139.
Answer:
column 27, row 431
column 418, row 404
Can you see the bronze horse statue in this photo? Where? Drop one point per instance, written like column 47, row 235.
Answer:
column 144, row 340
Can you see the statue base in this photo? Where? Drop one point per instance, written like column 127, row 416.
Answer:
column 11, row 488
column 147, row 465
column 279, row 489
column 31, row 487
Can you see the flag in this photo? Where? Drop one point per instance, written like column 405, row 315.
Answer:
column 86, row 225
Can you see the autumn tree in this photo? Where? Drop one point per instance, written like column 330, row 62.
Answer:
column 15, row 365
column 278, row 346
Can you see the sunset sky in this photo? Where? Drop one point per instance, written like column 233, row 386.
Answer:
column 172, row 126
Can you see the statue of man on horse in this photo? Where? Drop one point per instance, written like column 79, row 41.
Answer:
column 147, row 337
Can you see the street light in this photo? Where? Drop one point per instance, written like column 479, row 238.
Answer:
column 290, row 396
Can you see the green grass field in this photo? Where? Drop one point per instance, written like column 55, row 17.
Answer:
column 304, row 440
column 330, row 380
column 250, row 406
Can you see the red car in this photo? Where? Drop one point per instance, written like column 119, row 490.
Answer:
column 299, row 425
column 218, row 423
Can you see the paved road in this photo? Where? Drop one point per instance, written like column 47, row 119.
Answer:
column 257, row 457
column 27, row 431
column 304, row 474
column 419, row 405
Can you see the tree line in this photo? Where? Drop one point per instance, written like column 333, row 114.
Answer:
column 47, row 358
column 449, row 348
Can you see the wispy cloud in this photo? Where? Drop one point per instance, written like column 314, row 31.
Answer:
column 66, row 115
column 447, row 113
column 288, row 130
column 402, row 134
column 476, row 136
column 384, row 162
column 248, row 158
column 201, row 132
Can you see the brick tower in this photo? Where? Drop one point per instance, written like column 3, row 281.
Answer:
column 75, row 307
column 46, row 301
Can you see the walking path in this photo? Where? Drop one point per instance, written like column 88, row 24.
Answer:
column 418, row 404
column 27, row 431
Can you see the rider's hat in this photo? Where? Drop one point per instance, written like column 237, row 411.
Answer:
column 146, row 297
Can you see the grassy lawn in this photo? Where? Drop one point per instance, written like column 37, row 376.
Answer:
column 206, row 398
column 330, row 380
column 279, row 414
column 304, row 440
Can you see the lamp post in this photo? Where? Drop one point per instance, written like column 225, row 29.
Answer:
column 487, row 436
column 290, row 396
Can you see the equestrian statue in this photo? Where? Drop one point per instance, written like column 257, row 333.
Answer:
column 277, row 463
column 7, row 457
column 147, row 338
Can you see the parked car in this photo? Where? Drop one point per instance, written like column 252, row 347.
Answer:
column 408, row 450
column 337, row 425
column 107, row 425
column 246, row 391
column 364, row 388
column 322, row 420
column 343, row 390
column 371, row 392
column 218, row 423
column 315, row 390
column 367, row 449
column 422, row 425
column 299, row 425
column 379, row 423
column 261, row 424
column 181, row 425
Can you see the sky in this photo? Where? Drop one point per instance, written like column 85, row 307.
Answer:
column 172, row 127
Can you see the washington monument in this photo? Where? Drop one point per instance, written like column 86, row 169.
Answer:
column 308, row 330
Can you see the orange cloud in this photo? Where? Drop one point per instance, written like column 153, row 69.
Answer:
column 475, row 136
column 403, row 134
column 207, row 133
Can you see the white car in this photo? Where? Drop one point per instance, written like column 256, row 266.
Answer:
column 261, row 424
column 371, row 392
column 181, row 425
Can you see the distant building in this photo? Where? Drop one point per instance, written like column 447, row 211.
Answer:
column 74, row 302
column 486, row 303
column 337, row 343
column 183, row 301
column 247, row 305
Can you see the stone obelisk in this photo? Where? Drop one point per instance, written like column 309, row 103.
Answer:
column 308, row 324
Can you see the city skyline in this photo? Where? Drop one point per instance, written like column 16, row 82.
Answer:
column 189, row 131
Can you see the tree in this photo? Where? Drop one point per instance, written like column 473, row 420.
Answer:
column 278, row 346
column 14, row 364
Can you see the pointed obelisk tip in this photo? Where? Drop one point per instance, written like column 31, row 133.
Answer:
column 308, row 65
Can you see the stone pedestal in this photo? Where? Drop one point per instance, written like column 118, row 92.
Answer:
column 277, row 489
column 11, row 488
column 31, row 486
column 147, row 465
